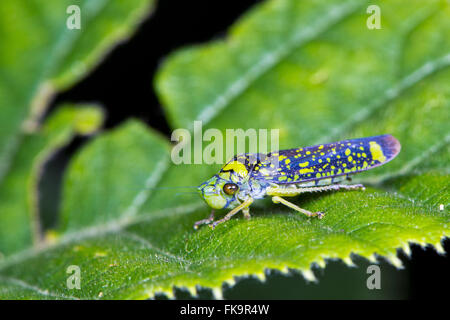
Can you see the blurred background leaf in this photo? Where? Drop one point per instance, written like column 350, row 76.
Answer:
column 311, row 69
column 40, row 56
column 20, row 219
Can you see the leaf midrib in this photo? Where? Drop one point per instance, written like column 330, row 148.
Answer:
column 25, row 285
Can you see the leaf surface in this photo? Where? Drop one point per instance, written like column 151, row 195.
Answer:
column 309, row 68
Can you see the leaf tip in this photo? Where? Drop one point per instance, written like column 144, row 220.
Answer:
column 169, row 293
column 217, row 293
column 372, row 258
column 349, row 262
column 285, row 270
column 192, row 290
column 261, row 276
column 407, row 249
column 395, row 261
column 230, row 282
column 439, row 248
column 308, row 275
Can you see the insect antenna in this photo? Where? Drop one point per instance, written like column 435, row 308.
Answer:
column 168, row 188
column 185, row 193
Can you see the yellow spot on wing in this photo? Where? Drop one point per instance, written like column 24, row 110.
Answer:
column 304, row 164
column 307, row 170
column 377, row 153
column 347, row 152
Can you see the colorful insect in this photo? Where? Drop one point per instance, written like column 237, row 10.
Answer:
column 288, row 173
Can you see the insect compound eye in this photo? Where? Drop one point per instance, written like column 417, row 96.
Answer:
column 230, row 188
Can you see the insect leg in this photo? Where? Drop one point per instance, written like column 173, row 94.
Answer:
column 205, row 221
column 277, row 199
column 240, row 207
column 246, row 212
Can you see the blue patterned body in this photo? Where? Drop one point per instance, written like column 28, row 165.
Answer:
column 319, row 165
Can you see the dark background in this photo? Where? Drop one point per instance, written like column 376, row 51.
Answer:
column 122, row 84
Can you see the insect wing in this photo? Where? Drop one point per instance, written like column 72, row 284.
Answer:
column 327, row 160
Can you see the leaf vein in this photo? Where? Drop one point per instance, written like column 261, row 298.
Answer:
column 330, row 18
column 24, row 285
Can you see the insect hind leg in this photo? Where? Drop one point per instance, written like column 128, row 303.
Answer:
column 277, row 193
column 277, row 199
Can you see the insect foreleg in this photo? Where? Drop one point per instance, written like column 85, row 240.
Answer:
column 205, row 221
column 246, row 212
column 277, row 199
column 243, row 206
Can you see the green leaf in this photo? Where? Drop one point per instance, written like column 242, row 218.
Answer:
column 40, row 56
column 19, row 219
column 315, row 71
column 126, row 164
